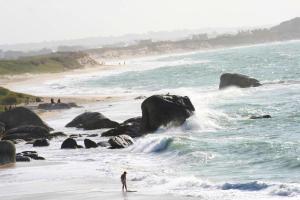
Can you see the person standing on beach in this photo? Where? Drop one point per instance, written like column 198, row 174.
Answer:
column 123, row 180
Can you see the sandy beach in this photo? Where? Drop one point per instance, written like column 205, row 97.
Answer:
column 96, row 187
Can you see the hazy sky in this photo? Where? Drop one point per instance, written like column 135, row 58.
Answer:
column 44, row 20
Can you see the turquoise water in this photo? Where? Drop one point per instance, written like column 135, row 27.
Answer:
column 267, row 63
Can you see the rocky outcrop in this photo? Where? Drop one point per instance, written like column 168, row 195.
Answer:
column 120, row 141
column 237, row 80
column 90, row 144
column 69, row 143
column 163, row 110
column 92, row 121
column 27, row 133
column 56, row 106
column 131, row 127
column 21, row 116
column 7, row 152
column 41, row 143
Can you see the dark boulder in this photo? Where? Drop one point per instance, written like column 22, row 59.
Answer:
column 22, row 159
column 69, row 143
column 7, row 152
column 90, row 144
column 238, row 80
column 41, row 143
column 131, row 127
column 92, row 121
column 56, row 106
column 120, row 141
column 261, row 117
column 27, row 133
column 163, row 110
column 21, row 116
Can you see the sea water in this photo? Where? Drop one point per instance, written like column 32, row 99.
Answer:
column 219, row 153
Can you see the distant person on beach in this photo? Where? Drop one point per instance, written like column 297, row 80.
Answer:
column 52, row 100
column 123, row 180
column 58, row 101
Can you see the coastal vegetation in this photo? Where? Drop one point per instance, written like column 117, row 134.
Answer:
column 8, row 97
column 50, row 63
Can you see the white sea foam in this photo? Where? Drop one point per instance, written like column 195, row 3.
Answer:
column 152, row 144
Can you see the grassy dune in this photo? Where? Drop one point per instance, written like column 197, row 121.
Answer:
column 56, row 62
column 8, row 97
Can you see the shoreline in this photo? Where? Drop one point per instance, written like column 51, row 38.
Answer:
column 28, row 79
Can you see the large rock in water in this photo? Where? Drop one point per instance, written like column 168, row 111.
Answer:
column 92, row 121
column 238, row 80
column 56, row 106
column 27, row 133
column 90, row 144
column 131, row 127
column 7, row 152
column 21, row 116
column 121, row 141
column 69, row 143
column 162, row 110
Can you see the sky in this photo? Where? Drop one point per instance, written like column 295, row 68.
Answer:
column 23, row 21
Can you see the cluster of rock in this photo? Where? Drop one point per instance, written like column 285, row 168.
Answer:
column 26, row 156
column 157, row 111
column 8, row 154
column 22, row 123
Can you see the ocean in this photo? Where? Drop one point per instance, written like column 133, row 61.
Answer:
column 219, row 153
